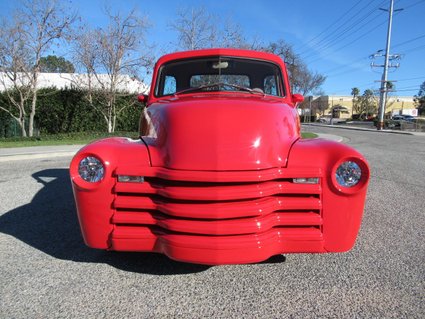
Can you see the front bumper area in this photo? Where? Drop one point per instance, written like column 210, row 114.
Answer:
column 216, row 250
column 216, row 217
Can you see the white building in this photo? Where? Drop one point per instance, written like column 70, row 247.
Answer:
column 67, row 80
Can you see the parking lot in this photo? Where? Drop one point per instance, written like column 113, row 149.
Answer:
column 47, row 272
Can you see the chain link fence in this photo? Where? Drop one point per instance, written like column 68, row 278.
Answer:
column 9, row 127
column 416, row 126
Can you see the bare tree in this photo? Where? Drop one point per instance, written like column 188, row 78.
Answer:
column 195, row 27
column 302, row 79
column 14, row 61
column 232, row 36
column 198, row 29
column 35, row 27
column 111, row 58
column 321, row 107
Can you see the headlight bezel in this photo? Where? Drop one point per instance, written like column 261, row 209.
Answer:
column 348, row 174
column 92, row 170
column 363, row 178
column 78, row 181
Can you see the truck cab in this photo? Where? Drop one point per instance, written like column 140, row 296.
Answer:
column 220, row 174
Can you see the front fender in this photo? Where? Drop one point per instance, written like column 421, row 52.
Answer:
column 342, row 207
column 94, row 200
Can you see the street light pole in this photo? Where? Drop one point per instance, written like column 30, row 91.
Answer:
column 383, row 90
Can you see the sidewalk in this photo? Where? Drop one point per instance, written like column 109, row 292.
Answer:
column 36, row 152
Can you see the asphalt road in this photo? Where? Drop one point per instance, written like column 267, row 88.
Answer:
column 47, row 272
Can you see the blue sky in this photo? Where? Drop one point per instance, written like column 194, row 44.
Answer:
column 335, row 38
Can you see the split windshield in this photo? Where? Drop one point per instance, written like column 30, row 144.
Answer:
column 214, row 74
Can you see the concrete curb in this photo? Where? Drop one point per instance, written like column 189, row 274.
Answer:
column 336, row 126
column 39, row 152
column 331, row 137
column 8, row 158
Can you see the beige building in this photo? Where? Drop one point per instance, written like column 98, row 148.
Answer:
column 323, row 105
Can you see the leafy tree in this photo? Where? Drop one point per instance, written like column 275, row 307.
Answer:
column 367, row 104
column 36, row 26
column 355, row 92
column 419, row 99
column 390, row 86
column 54, row 64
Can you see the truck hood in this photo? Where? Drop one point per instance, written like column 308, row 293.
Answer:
column 221, row 134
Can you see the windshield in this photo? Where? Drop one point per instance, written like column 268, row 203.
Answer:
column 219, row 74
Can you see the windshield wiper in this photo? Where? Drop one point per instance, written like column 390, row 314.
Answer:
column 219, row 84
column 195, row 88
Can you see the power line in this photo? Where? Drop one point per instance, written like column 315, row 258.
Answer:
column 367, row 84
column 341, row 73
column 416, row 49
column 358, row 86
column 408, row 87
column 353, row 41
column 348, row 65
column 330, row 39
column 416, row 3
column 362, row 58
column 410, row 79
column 408, row 41
column 330, row 36
column 409, row 90
column 333, row 23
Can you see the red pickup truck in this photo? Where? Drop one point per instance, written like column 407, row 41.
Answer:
column 220, row 174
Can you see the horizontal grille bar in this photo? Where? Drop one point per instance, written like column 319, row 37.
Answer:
column 219, row 176
column 219, row 227
column 218, row 210
column 216, row 192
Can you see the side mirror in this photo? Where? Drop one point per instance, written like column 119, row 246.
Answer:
column 297, row 98
column 142, row 98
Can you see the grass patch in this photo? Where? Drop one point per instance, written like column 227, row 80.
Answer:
column 308, row 135
column 76, row 138
column 61, row 139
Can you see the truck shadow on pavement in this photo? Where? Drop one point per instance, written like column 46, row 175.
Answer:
column 49, row 223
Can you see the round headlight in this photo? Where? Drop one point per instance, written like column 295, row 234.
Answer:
column 348, row 174
column 91, row 169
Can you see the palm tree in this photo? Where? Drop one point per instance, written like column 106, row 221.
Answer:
column 355, row 93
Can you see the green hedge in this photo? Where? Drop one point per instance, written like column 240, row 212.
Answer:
column 67, row 111
column 8, row 125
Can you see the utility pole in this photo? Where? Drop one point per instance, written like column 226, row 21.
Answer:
column 310, row 98
column 384, row 90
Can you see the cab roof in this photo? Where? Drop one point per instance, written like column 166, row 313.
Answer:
column 221, row 51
